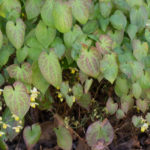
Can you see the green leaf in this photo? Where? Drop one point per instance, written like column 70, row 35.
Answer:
column 17, row 30
column 45, row 35
column 62, row 16
column 85, row 101
column 77, row 90
column 50, row 68
column 144, row 80
column 90, row 27
column 118, row 20
column 80, row 10
column 88, row 84
column 132, row 30
column 136, row 90
column 31, row 135
column 64, row 138
column 2, row 80
column 23, row 73
column 46, row 13
column 37, row 79
column 120, row 114
column 10, row 9
column 3, row 145
column 109, row 67
column 88, row 62
column 104, row 45
column 22, row 54
column 1, row 39
column 8, row 119
column 140, row 50
column 99, row 131
column 69, row 100
column 142, row 105
column 148, row 117
column 138, row 17
column 121, row 86
column 32, row 8
column 111, row 106
column 64, row 88
column 136, row 120
column 71, row 36
column 147, row 35
column 103, row 23
column 17, row 99
column 105, row 8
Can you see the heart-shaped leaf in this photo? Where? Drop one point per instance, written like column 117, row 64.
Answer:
column 17, row 99
column 46, row 13
column 17, row 31
column 144, row 80
column 66, row 142
column 41, row 84
column 118, row 20
column 80, row 10
column 77, row 90
column 105, row 8
column 88, row 84
column 62, row 16
column 45, row 35
column 142, row 105
column 111, row 106
column 21, row 54
column 104, row 45
column 88, row 62
column 136, row 90
column 33, row 8
column 23, row 73
column 121, row 86
column 64, row 88
column 132, row 30
column 50, row 68
column 120, row 114
column 99, row 131
column 109, row 67
column 31, row 135
column 136, row 120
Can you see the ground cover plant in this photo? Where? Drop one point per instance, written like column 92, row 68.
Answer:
column 74, row 73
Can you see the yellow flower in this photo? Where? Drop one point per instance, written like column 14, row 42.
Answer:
column 1, row 133
column 73, row 99
column 17, row 129
column 144, row 127
column 73, row 71
column 22, row 14
column 138, row 109
column 58, row 88
column 59, row 95
column 61, row 99
column 33, row 104
column 5, row 125
column 70, row 90
column 15, row 117
column 32, row 99
column 0, row 118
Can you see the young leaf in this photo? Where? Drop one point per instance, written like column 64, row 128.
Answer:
column 46, row 13
column 50, row 68
column 109, row 67
column 62, row 16
column 142, row 105
column 99, row 131
column 77, row 90
column 88, row 62
column 118, row 20
column 45, row 35
column 33, row 8
column 31, row 135
column 17, row 99
column 105, row 8
column 22, row 73
column 80, row 10
column 41, row 84
column 111, row 106
column 104, row 45
column 18, row 31
column 64, row 138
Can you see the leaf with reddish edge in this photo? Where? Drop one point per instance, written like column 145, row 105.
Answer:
column 104, row 45
column 80, row 10
column 31, row 135
column 62, row 16
column 111, row 106
column 17, row 99
column 50, row 68
column 16, row 33
column 99, row 131
column 142, row 105
column 89, row 62
column 23, row 73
